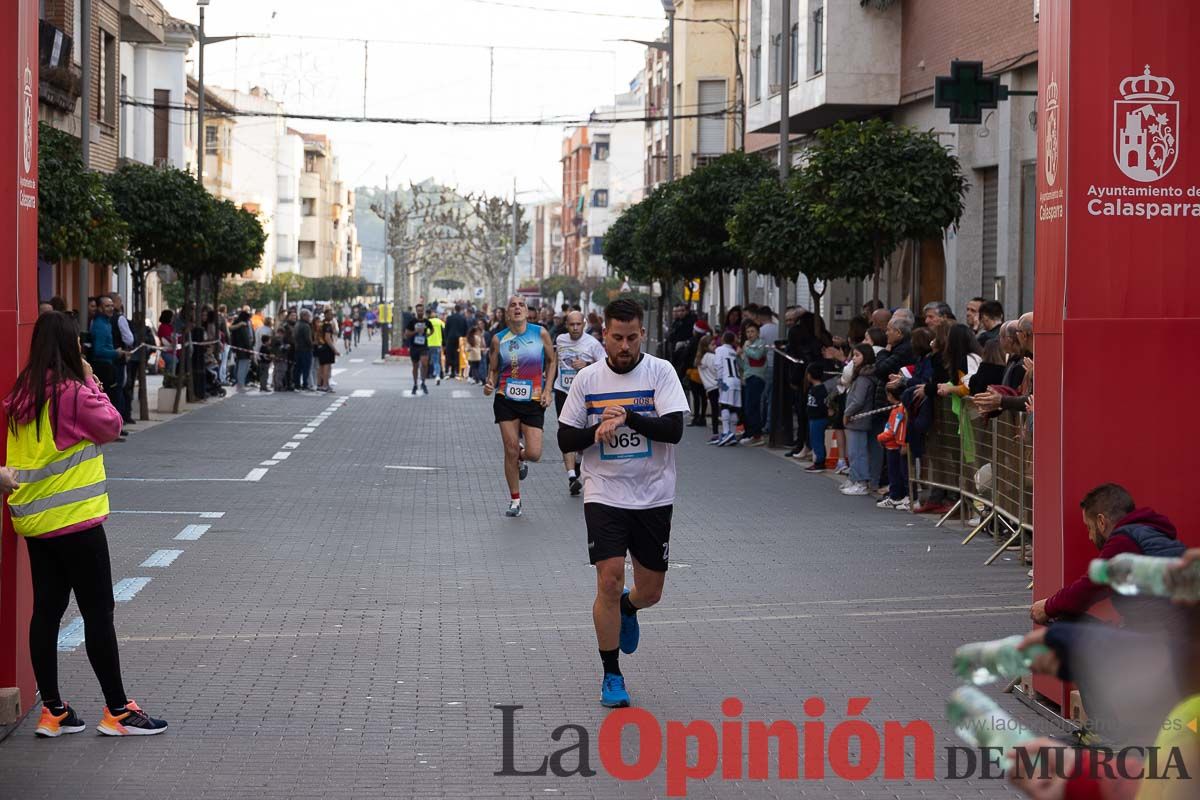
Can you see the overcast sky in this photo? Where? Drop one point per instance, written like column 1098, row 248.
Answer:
column 411, row 73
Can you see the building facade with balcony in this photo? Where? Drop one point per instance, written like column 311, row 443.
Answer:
column 328, row 244
column 577, row 162
column 853, row 61
column 219, row 123
column 547, row 239
column 614, row 177
column 61, row 43
column 707, row 34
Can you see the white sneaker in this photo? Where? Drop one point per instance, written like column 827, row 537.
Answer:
column 903, row 504
column 886, row 502
column 842, row 468
column 806, row 454
column 855, row 490
column 973, row 521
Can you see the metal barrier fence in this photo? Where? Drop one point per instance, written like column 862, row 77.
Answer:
column 988, row 464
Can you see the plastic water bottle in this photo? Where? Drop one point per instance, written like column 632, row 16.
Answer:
column 981, row 723
column 1131, row 574
column 988, row 662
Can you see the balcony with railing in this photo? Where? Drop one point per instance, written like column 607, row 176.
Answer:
column 142, row 21
column 845, row 62
column 60, row 82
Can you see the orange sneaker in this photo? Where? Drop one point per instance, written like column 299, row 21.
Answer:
column 130, row 722
column 53, row 725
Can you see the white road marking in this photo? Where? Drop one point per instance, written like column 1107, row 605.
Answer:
column 161, row 558
column 300, row 436
column 458, row 394
column 192, row 532
column 127, row 588
column 256, row 474
column 308, row 430
column 363, row 393
column 281, row 455
column 201, row 514
column 356, row 361
column 268, row 463
column 415, row 469
column 291, row 445
column 337, row 371
column 177, row 480
column 71, row 635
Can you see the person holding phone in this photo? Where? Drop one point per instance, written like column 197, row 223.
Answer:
column 58, row 419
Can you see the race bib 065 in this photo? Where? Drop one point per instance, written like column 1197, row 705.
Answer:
column 521, row 391
column 624, row 443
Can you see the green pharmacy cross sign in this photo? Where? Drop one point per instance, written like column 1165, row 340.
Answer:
column 966, row 91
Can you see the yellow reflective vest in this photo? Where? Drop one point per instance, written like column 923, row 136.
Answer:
column 58, row 488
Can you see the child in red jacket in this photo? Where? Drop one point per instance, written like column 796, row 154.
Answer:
column 894, row 439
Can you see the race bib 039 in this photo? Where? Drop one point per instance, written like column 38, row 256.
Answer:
column 519, row 390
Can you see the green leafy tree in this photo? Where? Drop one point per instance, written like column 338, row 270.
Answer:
column 877, row 184
column 166, row 211
column 705, row 204
column 571, row 288
column 76, row 214
column 236, row 240
column 775, row 231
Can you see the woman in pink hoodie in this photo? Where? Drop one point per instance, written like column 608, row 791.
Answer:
column 59, row 506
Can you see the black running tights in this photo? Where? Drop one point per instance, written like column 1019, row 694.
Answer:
column 79, row 562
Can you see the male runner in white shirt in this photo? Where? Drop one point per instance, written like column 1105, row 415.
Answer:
column 626, row 415
column 575, row 351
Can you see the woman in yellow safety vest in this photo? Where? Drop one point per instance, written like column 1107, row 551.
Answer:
column 58, row 416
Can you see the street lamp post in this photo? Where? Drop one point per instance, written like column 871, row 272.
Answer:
column 201, row 41
column 669, row 7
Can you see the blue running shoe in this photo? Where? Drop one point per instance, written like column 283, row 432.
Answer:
column 631, row 631
column 612, row 692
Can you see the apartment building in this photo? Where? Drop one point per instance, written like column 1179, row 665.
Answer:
column 614, row 175
column 328, row 244
column 219, row 122
column 577, row 162
column 707, row 34
column 61, row 42
column 853, row 61
column 547, row 239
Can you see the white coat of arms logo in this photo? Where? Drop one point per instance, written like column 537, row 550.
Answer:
column 1146, row 127
column 1050, row 162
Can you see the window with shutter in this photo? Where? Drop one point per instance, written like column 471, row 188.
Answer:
column 990, row 181
column 712, row 129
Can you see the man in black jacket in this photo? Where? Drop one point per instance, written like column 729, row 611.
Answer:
column 679, row 336
column 456, row 328
column 899, row 354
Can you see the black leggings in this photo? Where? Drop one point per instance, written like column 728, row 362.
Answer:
column 74, row 561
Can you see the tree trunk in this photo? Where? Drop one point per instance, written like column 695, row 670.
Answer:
column 721, row 295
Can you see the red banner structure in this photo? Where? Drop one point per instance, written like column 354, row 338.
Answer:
column 1117, row 286
column 18, row 300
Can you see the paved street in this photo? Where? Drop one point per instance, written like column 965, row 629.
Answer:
column 349, row 605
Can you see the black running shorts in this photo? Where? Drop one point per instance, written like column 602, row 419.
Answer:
column 531, row 413
column 560, row 398
column 417, row 352
column 644, row 533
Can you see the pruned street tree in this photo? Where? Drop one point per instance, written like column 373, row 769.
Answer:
column 76, row 214
column 776, row 233
column 166, row 211
column 878, row 184
column 478, row 235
